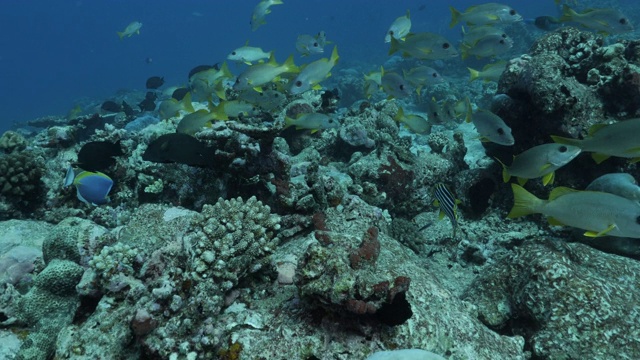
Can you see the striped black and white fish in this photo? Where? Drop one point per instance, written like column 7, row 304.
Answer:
column 448, row 204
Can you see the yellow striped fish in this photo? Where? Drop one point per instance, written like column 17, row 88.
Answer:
column 448, row 204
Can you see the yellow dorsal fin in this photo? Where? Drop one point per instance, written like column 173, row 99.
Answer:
column 548, row 179
column 560, row 191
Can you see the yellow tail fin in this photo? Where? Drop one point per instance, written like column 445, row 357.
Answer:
column 524, row 202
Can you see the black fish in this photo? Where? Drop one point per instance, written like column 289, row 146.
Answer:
column 98, row 155
column 149, row 102
column 179, row 93
column 154, row 82
column 128, row 110
column 201, row 68
column 180, row 148
column 110, row 106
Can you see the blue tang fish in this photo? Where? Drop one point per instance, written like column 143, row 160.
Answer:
column 92, row 187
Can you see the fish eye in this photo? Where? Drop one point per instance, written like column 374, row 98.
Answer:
column 512, row 12
column 233, row 53
column 401, row 86
column 435, row 75
column 298, row 83
column 502, row 41
column 330, row 121
column 500, row 131
column 445, row 45
column 504, row 36
column 315, row 44
column 391, row 32
column 622, row 21
column 562, row 149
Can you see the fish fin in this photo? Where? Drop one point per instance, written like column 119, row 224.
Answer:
column 220, row 90
column 441, row 215
column 120, row 35
column 258, row 89
column 601, row 233
column 560, row 191
column 218, row 112
column 548, row 179
column 545, row 166
column 505, row 171
column 290, row 66
column 316, row 87
column 186, row 103
column 493, row 17
column 524, row 202
column 566, row 141
column 522, row 181
column 635, row 160
column 399, row 114
column 595, row 128
column 599, row 158
column 554, row 222
column 313, row 131
column 568, row 14
column 474, row 74
column 455, row 16
column 288, row 121
column 436, row 203
column 395, row 46
column 334, row 55
column 248, row 63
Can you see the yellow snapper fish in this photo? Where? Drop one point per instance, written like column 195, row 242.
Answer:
column 311, row 121
column 422, row 76
column 311, row 45
column 539, row 162
column 619, row 139
column 261, row 11
column 394, row 85
column 399, row 28
column 210, row 81
column 248, row 54
column 492, row 128
column 196, row 121
column 457, row 109
column 599, row 213
column 311, row 75
column 133, row 28
column 260, row 74
column 476, row 33
column 234, row 109
column 488, row 46
column 605, row 20
column 415, row 123
column 171, row 107
column 490, row 72
column 267, row 100
column 424, row 46
column 621, row 184
column 485, row 14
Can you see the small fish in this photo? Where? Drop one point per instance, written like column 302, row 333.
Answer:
column 179, row 93
column 546, row 23
column 234, row 109
column 248, row 54
column 394, row 85
column 492, row 128
column 619, row 139
column 267, row 100
column 172, row 107
column 133, row 28
column 154, row 82
column 448, row 205
column 261, row 11
column 539, row 162
column 211, row 81
column 459, row 109
column 415, row 123
column 311, row 121
column 399, row 28
column 200, row 68
column 599, row 213
column 621, row 184
column 111, row 106
column 424, row 46
column 92, row 188
column 488, row 46
column 603, row 20
column 149, row 102
column 311, row 45
column 490, row 72
column 127, row 109
column 422, row 76
column 485, row 14
column 98, row 155
column 260, row 74
column 312, row 74
column 181, row 149
column 195, row 122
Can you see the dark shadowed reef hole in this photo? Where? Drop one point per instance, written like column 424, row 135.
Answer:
column 479, row 194
column 396, row 312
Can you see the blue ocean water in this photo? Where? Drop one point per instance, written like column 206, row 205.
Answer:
column 53, row 54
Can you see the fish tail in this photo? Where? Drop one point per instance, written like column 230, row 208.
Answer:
column 474, row 74
column 566, row 141
column 568, row 14
column 334, row 55
column 468, row 109
column 395, row 46
column 288, row 121
column 291, row 66
column 455, row 16
column 399, row 115
column 524, row 202
column 186, row 103
column 224, row 68
column 276, row 2
column 218, row 112
column 120, row 35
